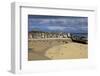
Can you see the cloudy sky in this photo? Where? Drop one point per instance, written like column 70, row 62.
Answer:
column 69, row 24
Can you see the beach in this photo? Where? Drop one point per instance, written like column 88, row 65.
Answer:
column 51, row 49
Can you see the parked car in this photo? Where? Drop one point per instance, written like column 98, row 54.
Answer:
column 79, row 37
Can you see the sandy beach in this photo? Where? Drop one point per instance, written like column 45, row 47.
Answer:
column 50, row 49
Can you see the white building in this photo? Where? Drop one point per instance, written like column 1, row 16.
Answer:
column 41, row 35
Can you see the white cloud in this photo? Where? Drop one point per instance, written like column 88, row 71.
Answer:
column 56, row 28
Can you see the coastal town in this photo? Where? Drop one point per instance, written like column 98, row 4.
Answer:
column 54, row 45
column 57, row 37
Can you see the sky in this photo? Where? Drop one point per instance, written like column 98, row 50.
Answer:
column 69, row 24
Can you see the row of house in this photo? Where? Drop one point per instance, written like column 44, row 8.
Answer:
column 40, row 35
